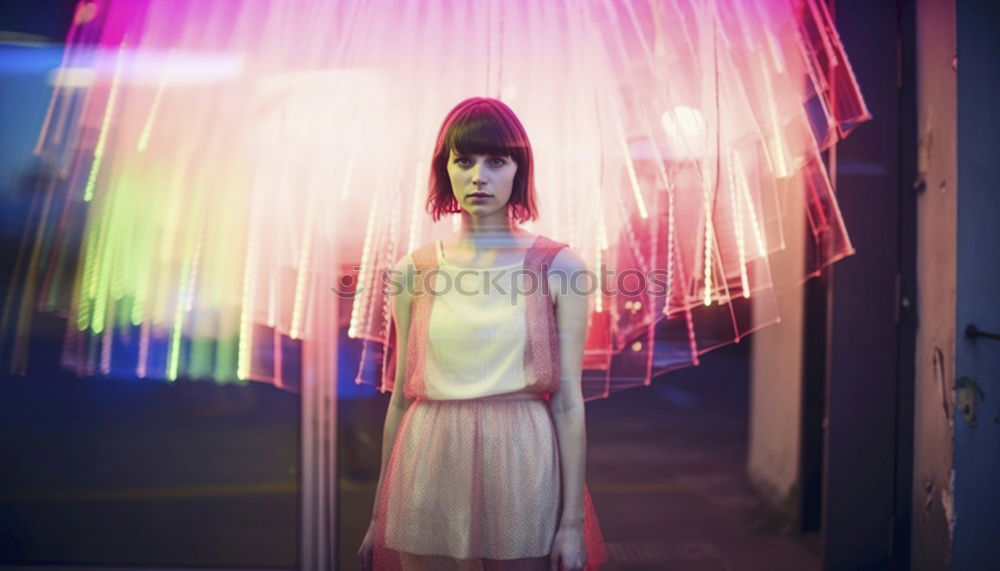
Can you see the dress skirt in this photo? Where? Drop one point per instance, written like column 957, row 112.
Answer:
column 474, row 484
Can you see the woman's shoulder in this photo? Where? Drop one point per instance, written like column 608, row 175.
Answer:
column 541, row 241
column 564, row 257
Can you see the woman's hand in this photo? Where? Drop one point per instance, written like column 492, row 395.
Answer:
column 365, row 551
column 568, row 551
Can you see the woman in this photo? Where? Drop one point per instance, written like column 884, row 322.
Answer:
column 484, row 448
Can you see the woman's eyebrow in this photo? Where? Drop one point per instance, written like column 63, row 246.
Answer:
column 486, row 154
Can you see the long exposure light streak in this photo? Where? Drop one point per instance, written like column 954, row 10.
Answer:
column 221, row 164
column 95, row 167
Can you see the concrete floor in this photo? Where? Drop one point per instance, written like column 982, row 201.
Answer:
column 667, row 473
column 127, row 475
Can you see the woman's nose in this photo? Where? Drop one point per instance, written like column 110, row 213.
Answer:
column 478, row 174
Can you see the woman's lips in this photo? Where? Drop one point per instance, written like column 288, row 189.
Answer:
column 479, row 196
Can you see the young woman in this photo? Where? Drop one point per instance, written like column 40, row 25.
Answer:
column 484, row 447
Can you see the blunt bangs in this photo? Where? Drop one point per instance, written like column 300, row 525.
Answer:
column 480, row 131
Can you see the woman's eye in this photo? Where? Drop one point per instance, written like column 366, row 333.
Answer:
column 466, row 162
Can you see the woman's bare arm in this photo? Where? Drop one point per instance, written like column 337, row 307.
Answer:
column 572, row 311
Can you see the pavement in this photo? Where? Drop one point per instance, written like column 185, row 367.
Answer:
column 126, row 474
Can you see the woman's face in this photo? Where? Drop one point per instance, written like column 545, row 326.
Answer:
column 481, row 183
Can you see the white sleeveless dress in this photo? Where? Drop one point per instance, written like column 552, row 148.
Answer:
column 473, row 477
column 476, row 333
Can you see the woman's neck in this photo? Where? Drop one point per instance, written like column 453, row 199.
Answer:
column 479, row 235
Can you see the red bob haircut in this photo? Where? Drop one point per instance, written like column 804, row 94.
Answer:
column 482, row 125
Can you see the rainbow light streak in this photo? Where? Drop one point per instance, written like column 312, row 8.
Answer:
column 106, row 336
column 709, row 233
column 737, row 213
column 745, row 199
column 599, row 295
column 775, row 141
column 671, row 243
column 180, row 306
column 148, row 127
column 601, row 247
column 141, row 369
column 640, row 204
column 366, row 257
column 346, row 185
column 103, row 270
column 244, row 352
column 102, row 140
column 43, row 135
column 195, row 265
column 302, row 273
column 772, row 48
column 142, row 294
column 393, row 224
column 230, row 161
column 415, row 210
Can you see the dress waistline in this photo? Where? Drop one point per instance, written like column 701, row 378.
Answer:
column 489, row 398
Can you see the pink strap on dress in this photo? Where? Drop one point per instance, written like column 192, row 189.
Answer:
column 425, row 260
column 541, row 352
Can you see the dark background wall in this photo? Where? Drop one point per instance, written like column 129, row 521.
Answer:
column 977, row 361
column 862, row 398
